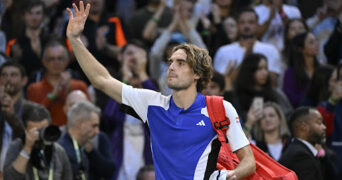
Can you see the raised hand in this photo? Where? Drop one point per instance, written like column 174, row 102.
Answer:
column 77, row 21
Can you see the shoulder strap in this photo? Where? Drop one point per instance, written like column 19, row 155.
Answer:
column 217, row 115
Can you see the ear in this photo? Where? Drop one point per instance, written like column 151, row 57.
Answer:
column 196, row 77
column 120, row 58
column 24, row 81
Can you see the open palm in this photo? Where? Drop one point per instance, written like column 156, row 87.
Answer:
column 77, row 21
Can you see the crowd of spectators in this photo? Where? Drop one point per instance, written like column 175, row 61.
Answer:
column 279, row 62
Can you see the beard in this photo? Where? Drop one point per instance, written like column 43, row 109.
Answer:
column 316, row 138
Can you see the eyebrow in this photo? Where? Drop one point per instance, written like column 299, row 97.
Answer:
column 183, row 60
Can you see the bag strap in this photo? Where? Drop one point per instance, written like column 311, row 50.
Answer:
column 220, row 123
column 217, row 115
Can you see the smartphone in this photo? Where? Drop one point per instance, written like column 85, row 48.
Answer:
column 258, row 103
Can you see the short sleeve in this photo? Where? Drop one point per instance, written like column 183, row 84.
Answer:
column 236, row 137
column 141, row 99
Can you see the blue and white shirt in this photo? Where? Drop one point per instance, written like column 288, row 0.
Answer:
column 184, row 143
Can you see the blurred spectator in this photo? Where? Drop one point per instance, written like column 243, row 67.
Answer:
column 308, row 130
column 308, row 8
column 304, row 58
column 219, row 27
column 323, row 23
column 52, row 90
column 12, row 80
column 12, row 22
column 83, row 125
column 215, row 87
column 333, row 48
column 273, row 15
column 146, row 173
column 104, row 34
column 254, row 70
column 130, row 140
column 101, row 163
column 268, row 128
column 147, row 23
column 247, row 43
column 318, row 90
column 27, row 48
column 33, row 158
column 179, row 31
column 331, row 111
column 292, row 28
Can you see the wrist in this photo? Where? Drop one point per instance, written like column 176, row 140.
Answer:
column 51, row 96
column 333, row 100
column 27, row 149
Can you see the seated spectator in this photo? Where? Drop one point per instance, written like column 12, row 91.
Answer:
column 254, row 70
column 272, row 17
column 268, row 128
column 215, row 86
column 246, row 44
column 218, row 27
column 318, row 90
column 56, row 84
column 101, row 163
column 33, row 158
column 12, row 80
column 148, row 23
column 297, row 78
column 28, row 47
column 308, row 130
column 146, row 173
column 83, row 125
column 323, row 23
column 331, row 111
column 130, row 141
column 292, row 28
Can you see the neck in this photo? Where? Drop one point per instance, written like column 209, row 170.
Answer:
column 309, row 64
column 272, row 137
column 32, row 33
column 75, row 135
column 52, row 78
column 186, row 97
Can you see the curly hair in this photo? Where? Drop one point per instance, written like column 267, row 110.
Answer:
column 200, row 62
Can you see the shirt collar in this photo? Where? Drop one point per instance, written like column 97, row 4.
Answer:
column 310, row 146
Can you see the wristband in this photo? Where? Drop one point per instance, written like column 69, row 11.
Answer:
column 51, row 96
column 24, row 154
column 332, row 100
column 154, row 20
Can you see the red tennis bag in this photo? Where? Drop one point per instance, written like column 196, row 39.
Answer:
column 266, row 167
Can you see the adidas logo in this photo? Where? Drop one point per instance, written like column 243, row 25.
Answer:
column 201, row 123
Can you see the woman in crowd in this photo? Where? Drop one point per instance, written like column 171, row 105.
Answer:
column 297, row 77
column 253, row 81
column 270, row 132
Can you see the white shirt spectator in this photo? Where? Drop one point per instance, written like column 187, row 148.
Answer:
column 235, row 52
column 275, row 32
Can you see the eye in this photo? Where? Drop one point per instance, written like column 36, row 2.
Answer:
column 169, row 62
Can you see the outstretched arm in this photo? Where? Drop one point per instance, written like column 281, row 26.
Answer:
column 96, row 73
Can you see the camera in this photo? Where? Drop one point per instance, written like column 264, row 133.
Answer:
column 49, row 134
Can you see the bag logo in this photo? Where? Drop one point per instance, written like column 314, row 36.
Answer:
column 201, row 123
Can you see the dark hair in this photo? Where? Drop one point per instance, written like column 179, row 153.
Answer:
column 245, row 82
column 34, row 112
column 134, row 42
column 33, row 3
column 140, row 175
column 53, row 43
column 298, row 59
column 11, row 63
column 319, row 85
column 219, row 79
column 297, row 117
column 287, row 41
column 246, row 10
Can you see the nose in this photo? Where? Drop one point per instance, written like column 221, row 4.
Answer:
column 97, row 130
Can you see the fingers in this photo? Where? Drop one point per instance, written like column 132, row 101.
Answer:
column 81, row 6
column 87, row 9
column 70, row 13
column 75, row 8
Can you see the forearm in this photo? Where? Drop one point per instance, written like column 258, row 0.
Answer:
column 150, row 28
column 96, row 73
column 247, row 163
column 21, row 162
